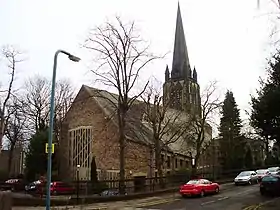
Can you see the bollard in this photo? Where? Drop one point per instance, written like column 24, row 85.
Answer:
column 5, row 201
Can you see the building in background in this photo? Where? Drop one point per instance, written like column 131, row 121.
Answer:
column 17, row 163
column 90, row 126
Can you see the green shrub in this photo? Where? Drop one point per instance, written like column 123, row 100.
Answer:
column 180, row 176
column 98, row 187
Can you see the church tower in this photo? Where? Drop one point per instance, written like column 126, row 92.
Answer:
column 181, row 90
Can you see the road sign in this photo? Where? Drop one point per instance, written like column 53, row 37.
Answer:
column 47, row 148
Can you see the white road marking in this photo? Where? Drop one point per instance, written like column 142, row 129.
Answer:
column 208, row 202
column 223, row 198
column 244, row 192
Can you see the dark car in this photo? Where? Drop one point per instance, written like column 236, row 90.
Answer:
column 270, row 184
column 110, row 193
column 14, row 185
column 32, row 187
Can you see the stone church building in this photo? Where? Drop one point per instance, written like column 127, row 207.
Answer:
column 90, row 126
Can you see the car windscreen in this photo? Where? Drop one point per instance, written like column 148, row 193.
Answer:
column 270, row 179
column 273, row 169
column 245, row 173
column 261, row 171
column 193, row 182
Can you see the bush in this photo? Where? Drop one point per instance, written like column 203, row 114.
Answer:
column 98, row 187
column 180, row 176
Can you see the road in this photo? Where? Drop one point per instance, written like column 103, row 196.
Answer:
column 234, row 198
column 230, row 198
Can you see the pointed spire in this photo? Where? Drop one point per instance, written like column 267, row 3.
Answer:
column 194, row 74
column 167, row 73
column 181, row 63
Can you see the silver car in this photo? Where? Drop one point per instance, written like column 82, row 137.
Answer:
column 246, row 177
column 274, row 170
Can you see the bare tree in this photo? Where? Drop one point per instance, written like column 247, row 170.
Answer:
column 36, row 100
column 121, row 58
column 15, row 129
column 12, row 56
column 167, row 125
column 200, row 130
column 63, row 100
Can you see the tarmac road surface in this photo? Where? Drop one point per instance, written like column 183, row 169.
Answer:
column 235, row 198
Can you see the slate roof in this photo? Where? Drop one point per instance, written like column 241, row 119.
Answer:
column 136, row 129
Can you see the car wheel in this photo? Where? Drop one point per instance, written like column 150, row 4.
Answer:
column 236, row 184
column 217, row 190
column 202, row 193
column 249, row 182
column 184, row 196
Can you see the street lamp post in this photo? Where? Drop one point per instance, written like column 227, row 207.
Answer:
column 193, row 168
column 78, row 184
column 49, row 171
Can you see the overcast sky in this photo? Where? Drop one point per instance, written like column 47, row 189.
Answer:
column 228, row 40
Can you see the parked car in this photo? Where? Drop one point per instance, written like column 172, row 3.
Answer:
column 57, row 188
column 110, row 192
column 270, row 184
column 32, row 187
column 261, row 173
column 199, row 187
column 14, row 185
column 274, row 170
column 61, row 188
column 246, row 177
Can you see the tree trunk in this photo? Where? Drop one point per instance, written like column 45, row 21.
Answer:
column 2, row 129
column 267, row 153
column 159, row 164
column 10, row 158
column 122, row 151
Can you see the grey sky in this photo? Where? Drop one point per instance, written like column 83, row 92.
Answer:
column 227, row 39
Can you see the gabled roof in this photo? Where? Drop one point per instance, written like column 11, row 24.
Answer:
column 136, row 129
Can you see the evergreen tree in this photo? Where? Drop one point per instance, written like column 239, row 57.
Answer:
column 36, row 157
column 93, row 171
column 265, row 116
column 248, row 160
column 232, row 143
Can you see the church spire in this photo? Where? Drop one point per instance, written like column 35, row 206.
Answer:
column 167, row 73
column 181, row 63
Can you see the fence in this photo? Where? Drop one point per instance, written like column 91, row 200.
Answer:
column 142, row 184
column 146, row 185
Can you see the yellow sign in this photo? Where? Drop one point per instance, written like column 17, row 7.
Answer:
column 48, row 147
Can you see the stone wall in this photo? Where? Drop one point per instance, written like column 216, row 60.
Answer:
column 86, row 112
column 5, row 201
column 17, row 162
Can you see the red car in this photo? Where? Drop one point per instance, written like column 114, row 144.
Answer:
column 57, row 188
column 199, row 187
column 61, row 188
column 261, row 173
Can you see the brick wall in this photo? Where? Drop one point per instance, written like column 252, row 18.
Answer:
column 86, row 112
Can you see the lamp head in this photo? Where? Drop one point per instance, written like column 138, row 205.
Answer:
column 74, row 58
